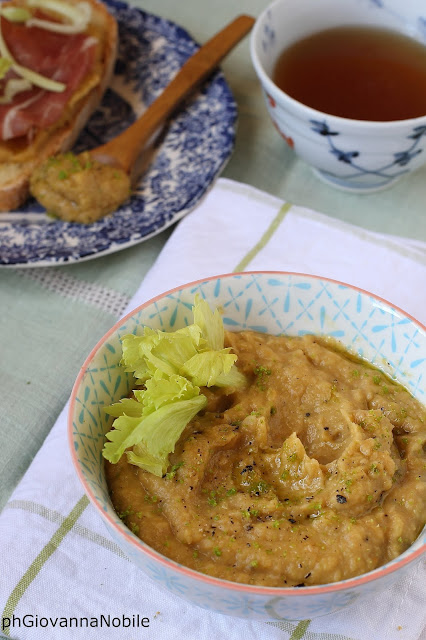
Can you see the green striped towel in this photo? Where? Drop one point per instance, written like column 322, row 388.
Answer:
column 57, row 562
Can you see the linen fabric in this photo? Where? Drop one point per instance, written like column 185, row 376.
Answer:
column 57, row 561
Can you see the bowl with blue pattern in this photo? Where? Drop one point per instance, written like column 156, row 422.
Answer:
column 354, row 155
column 275, row 303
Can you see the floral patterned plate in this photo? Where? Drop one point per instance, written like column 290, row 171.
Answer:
column 188, row 156
column 269, row 302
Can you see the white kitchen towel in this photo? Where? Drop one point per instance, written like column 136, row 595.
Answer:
column 63, row 578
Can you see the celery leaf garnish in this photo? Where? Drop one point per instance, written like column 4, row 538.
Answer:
column 172, row 366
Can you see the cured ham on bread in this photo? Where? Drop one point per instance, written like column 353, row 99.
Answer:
column 49, row 54
column 57, row 58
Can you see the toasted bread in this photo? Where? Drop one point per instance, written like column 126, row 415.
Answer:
column 18, row 158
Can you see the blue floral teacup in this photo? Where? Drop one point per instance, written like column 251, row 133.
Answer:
column 355, row 155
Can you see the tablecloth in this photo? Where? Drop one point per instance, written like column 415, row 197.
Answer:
column 57, row 561
column 50, row 318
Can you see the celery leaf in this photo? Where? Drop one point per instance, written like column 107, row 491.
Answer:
column 210, row 323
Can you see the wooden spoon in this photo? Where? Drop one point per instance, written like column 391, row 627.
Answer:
column 124, row 150
column 86, row 187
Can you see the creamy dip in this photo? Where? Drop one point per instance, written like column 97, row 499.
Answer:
column 313, row 473
column 79, row 188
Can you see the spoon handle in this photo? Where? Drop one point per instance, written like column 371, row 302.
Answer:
column 126, row 147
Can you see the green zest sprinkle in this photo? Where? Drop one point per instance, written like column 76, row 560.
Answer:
column 212, row 502
column 217, row 552
column 171, row 474
column 72, row 158
column 62, row 175
column 195, row 554
column 259, row 487
column 376, row 379
column 151, row 498
column 231, row 492
column 125, row 513
column 400, row 540
column 52, row 161
column 369, row 498
column 261, row 371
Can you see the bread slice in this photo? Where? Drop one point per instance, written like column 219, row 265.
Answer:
column 17, row 159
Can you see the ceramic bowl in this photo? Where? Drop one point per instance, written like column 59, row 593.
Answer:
column 354, row 155
column 272, row 302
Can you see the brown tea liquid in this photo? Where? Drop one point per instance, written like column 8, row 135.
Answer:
column 365, row 73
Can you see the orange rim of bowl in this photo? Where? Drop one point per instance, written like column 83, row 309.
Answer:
column 139, row 544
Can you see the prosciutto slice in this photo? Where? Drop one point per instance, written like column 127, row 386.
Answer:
column 64, row 58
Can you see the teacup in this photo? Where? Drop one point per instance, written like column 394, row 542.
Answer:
column 355, row 155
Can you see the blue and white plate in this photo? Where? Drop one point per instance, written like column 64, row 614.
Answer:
column 188, row 157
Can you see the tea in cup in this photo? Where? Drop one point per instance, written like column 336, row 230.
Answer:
column 345, row 86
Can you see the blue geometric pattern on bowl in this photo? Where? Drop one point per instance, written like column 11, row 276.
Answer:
column 353, row 158
column 189, row 155
column 275, row 303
